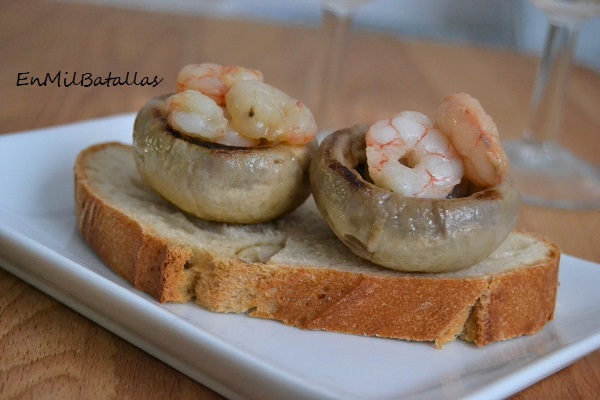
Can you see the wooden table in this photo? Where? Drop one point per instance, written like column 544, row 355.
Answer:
column 48, row 350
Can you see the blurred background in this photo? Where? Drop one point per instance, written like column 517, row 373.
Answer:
column 509, row 24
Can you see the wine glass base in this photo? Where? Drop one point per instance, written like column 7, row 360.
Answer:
column 550, row 176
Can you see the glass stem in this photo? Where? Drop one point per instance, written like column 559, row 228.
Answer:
column 549, row 93
column 335, row 30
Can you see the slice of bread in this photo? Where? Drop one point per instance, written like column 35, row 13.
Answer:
column 295, row 270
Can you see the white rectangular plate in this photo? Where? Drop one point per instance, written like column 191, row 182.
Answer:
column 247, row 358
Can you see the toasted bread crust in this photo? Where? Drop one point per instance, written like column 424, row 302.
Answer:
column 410, row 308
column 480, row 308
column 517, row 303
column 150, row 263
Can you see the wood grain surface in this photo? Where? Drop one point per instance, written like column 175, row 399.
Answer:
column 50, row 351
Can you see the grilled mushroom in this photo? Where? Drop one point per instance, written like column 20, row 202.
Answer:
column 217, row 182
column 406, row 233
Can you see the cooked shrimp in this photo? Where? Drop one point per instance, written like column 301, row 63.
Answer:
column 231, row 105
column 475, row 135
column 194, row 114
column 260, row 111
column 213, row 80
column 409, row 156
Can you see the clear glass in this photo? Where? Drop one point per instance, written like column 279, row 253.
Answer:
column 335, row 29
column 546, row 173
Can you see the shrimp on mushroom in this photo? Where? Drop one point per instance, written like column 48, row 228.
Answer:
column 213, row 80
column 233, row 106
column 196, row 115
column 265, row 146
column 261, row 111
column 475, row 135
column 408, row 155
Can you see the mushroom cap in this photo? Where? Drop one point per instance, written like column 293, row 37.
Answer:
column 406, row 233
column 217, row 182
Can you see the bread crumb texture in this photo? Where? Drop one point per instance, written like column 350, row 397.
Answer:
column 296, row 271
